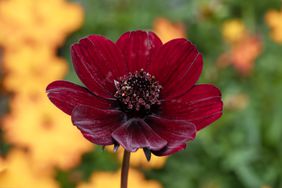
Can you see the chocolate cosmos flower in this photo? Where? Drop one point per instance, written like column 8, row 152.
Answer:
column 139, row 93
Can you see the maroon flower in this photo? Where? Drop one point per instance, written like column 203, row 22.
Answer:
column 139, row 92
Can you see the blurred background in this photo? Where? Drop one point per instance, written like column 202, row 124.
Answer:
column 241, row 42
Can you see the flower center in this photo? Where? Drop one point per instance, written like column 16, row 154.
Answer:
column 138, row 92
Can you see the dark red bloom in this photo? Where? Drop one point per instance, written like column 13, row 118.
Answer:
column 139, row 92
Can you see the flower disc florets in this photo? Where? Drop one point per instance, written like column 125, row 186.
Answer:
column 138, row 91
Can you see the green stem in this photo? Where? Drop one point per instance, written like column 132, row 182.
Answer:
column 124, row 169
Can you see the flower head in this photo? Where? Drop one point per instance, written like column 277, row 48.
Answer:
column 139, row 93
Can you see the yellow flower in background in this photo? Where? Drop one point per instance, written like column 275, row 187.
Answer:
column 46, row 132
column 3, row 167
column 19, row 173
column 273, row 19
column 30, row 63
column 27, row 59
column 167, row 30
column 233, row 30
column 112, row 180
column 27, row 72
column 35, row 22
column 138, row 159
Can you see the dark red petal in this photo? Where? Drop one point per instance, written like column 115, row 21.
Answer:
column 201, row 105
column 203, row 122
column 135, row 134
column 169, row 150
column 98, row 62
column 177, row 65
column 66, row 95
column 137, row 48
column 96, row 124
column 176, row 132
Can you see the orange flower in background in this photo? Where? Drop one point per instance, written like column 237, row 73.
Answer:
column 244, row 54
column 19, row 173
column 167, row 30
column 273, row 19
column 36, row 22
column 233, row 31
column 244, row 47
column 45, row 131
column 112, row 180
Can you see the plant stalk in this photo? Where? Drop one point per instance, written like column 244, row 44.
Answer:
column 124, row 169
